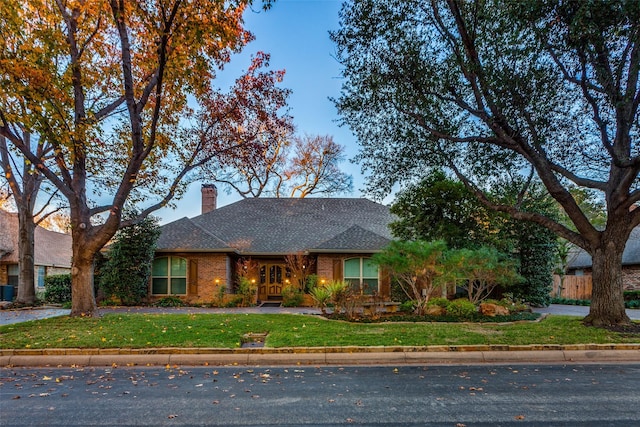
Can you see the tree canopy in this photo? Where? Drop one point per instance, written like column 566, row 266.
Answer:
column 495, row 89
column 109, row 84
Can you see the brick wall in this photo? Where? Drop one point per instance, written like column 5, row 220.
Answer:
column 631, row 278
column 4, row 274
column 324, row 267
column 212, row 273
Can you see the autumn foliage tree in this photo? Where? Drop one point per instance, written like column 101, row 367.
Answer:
column 314, row 168
column 107, row 83
column 504, row 88
column 294, row 166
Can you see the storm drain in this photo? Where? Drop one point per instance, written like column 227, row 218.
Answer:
column 253, row 340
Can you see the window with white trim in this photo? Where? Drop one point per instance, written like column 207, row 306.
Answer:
column 362, row 274
column 169, row 276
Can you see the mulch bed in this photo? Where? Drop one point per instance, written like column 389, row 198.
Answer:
column 632, row 329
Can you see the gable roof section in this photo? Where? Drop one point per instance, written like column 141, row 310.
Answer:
column 52, row 249
column 579, row 258
column 184, row 235
column 354, row 238
column 283, row 226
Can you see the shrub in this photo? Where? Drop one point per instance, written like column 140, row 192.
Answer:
column 461, row 307
column 321, row 296
column 440, row 302
column 57, row 288
column 633, row 304
column 311, row 283
column 291, row 296
column 408, row 306
column 247, row 289
column 170, row 302
column 632, row 295
column 340, row 293
column 125, row 275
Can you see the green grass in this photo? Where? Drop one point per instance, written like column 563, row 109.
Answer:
column 226, row 331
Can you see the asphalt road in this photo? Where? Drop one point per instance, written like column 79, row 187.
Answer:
column 514, row 395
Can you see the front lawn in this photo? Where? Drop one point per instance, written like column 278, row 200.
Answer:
column 227, row 330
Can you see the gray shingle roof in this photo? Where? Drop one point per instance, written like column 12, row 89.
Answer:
column 51, row 248
column 579, row 258
column 355, row 237
column 283, row 226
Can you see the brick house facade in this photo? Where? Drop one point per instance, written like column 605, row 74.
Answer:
column 197, row 257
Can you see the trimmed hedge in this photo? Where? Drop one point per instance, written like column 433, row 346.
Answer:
column 57, row 288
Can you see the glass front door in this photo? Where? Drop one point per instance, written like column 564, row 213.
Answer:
column 272, row 278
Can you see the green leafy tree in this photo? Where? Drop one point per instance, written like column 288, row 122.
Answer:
column 534, row 246
column 480, row 271
column 417, row 266
column 127, row 270
column 441, row 208
column 498, row 88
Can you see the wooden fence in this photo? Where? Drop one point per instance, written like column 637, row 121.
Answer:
column 573, row 287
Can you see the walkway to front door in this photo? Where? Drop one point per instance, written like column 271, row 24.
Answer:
column 272, row 278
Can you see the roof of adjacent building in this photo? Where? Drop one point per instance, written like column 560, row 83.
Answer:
column 52, row 249
column 283, row 226
column 579, row 258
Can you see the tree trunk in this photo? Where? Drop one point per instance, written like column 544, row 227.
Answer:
column 83, row 298
column 607, row 302
column 26, row 257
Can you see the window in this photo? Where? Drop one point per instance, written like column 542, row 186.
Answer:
column 41, row 274
column 13, row 271
column 362, row 274
column 169, row 276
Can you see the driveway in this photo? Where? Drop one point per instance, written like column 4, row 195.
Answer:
column 578, row 310
column 8, row 317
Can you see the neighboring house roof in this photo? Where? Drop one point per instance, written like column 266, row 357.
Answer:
column 579, row 258
column 283, row 226
column 51, row 248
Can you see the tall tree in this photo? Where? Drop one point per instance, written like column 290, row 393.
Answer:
column 25, row 182
column 441, row 208
column 491, row 87
column 314, row 169
column 269, row 127
column 294, row 166
column 106, row 83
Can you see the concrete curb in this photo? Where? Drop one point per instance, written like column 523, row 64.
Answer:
column 429, row 355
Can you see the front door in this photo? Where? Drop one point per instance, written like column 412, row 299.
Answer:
column 272, row 277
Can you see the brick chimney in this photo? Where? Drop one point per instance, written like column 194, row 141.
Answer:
column 209, row 197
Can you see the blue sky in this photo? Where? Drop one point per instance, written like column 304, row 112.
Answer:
column 296, row 34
